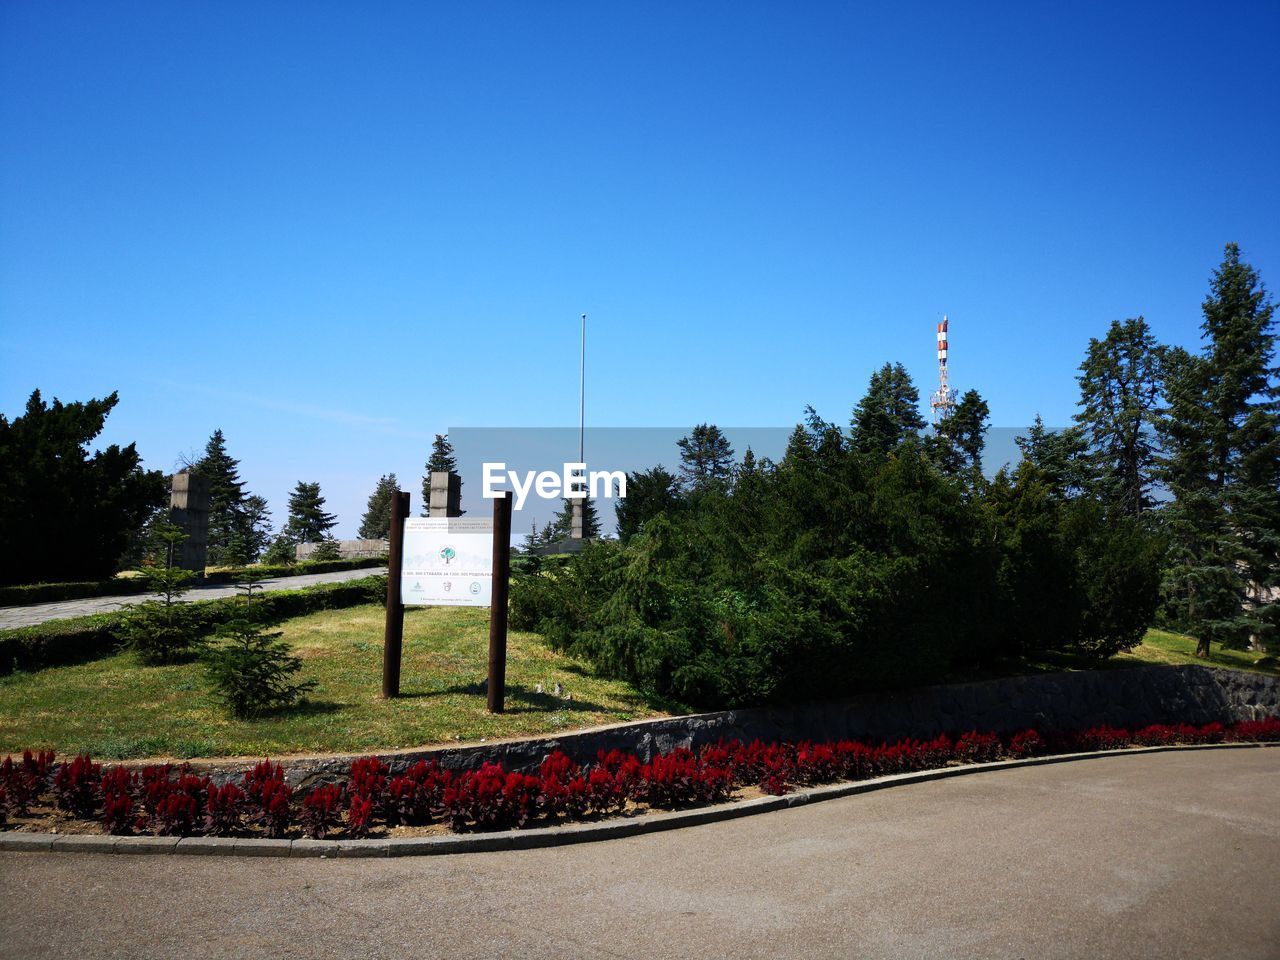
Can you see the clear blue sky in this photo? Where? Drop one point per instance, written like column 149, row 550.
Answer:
column 333, row 230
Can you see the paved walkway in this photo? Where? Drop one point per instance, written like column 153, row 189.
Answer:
column 1163, row 855
column 40, row 612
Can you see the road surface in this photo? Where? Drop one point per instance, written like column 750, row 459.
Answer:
column 40, row 612
column 1159, row 855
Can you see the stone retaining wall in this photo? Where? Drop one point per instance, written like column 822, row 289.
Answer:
column 1053, row 701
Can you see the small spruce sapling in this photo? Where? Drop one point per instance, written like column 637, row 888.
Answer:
column 251, row 669
column 160, row 630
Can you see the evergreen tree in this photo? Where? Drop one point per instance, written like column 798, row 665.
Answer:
column 1057, row 456
column 308, row 521
column 376, row 523
column 282, row 551
column 706, row 458
column 441, row 460
column 957, row 446
column 1120, row 387
column 563, row 522
column 232, row 535
column 66, row 513
column 255, row 527
column 252, row 671
column 161, row 630
column 649, row 493
column 1221, row 432
column 889, row 413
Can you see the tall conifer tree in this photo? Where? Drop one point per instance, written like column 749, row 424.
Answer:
column 442, row 460
column 1221, row 432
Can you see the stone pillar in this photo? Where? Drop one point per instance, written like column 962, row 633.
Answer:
column 576, row 516
column 189, row 510
column 446, row 494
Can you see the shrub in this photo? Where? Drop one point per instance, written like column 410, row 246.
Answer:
column 327, row 550
column 157, row 632
column 85, row 638
column 76, row 787
column 321, row 811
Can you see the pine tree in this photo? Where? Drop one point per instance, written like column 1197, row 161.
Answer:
column 233, row 538
column 563, row 522
column 1221, row 433
column 161, row 630
column 957, row 446
column 308, row 521
column 376, row 523
column 1057, row 456
column 67, row 511
column 441, row 460
column 1121, row 381
column 251, row 670
column 649, row 493
column 255, row 527
column 889, row 413
column 706, row 458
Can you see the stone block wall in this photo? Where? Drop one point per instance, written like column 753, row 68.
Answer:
column 1064, row 701
column 348, row 549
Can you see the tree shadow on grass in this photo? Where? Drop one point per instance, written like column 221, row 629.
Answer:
column 303, row 708
column 527, row 700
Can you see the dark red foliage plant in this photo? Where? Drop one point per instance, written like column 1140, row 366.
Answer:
column 175, row 801
column 118, row 787
column 321, row 810
column 224, row 810
column 76, row 787
column 1028, row 743
column 359, row 816
column 268, row 798
column 417, row 795
column 369, row 780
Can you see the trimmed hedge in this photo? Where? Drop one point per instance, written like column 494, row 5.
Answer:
column 86, row 638
column 28, row 593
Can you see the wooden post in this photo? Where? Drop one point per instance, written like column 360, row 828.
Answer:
column 498, row 602
column 393, row 635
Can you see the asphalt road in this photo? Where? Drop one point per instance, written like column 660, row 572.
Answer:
column 40, row 612
column 1162, row 855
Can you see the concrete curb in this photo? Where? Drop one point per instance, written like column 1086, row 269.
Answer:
column 538, row 837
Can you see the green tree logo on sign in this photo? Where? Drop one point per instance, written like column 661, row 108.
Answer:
column 447, row 554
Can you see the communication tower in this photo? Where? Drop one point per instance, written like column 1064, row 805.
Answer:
column 943, row 400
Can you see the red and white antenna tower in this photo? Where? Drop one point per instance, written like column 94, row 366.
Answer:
column 943, row 400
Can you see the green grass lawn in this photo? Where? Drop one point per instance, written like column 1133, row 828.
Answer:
column 1161, row 646
column 113, row 708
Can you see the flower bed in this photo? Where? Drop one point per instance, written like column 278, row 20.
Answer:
column 36, row 792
